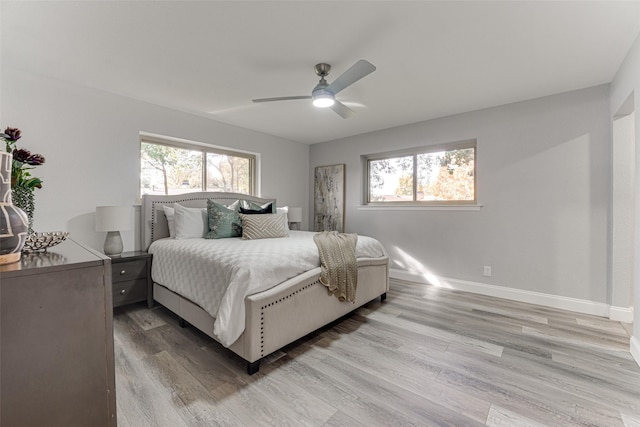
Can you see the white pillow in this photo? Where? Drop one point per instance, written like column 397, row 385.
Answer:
column 284, row 210
column 169, row 212
column 190, row 222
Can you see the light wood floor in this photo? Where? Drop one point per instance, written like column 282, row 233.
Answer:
column 426, row 356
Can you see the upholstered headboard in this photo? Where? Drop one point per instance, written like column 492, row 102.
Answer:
column 154, row 223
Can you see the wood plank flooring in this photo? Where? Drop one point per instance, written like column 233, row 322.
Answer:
column 426, row 356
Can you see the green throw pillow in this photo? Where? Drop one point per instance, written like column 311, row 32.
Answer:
column 224, row 221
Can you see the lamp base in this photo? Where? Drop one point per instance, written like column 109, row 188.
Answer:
column 113, row 244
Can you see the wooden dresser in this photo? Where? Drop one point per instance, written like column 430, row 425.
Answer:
column 56, row 339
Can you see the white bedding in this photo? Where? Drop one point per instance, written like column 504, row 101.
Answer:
column 217, row 274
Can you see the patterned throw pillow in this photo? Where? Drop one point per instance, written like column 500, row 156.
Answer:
column 264, row 226
column 224, row 221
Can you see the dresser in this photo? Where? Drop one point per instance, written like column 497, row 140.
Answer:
column 56, row 339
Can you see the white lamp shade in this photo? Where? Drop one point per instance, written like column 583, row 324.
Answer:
column 113, row 218
column 295, row 214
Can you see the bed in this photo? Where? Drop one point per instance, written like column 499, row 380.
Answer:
column 274, row 315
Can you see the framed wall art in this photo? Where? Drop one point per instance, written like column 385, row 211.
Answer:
column 328, row 189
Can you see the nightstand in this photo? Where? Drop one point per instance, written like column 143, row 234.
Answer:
column 131, row 278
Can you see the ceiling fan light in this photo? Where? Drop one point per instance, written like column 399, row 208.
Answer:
column 323, row 98
column 323, row 101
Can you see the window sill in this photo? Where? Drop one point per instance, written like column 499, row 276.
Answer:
column 420, row 208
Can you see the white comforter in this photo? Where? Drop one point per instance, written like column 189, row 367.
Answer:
column 217, row 274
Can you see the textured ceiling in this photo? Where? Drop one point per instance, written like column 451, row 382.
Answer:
column 211, row 58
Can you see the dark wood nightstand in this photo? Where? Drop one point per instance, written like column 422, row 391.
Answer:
column 131, row 277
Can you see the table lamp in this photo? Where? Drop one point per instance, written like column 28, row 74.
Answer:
column 295, row 218
column 113, row 219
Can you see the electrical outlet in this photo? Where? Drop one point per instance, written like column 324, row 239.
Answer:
column 487, row 270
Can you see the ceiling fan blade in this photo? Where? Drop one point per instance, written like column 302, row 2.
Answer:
column 342, row 110
column 357, row 71
column 282, row 98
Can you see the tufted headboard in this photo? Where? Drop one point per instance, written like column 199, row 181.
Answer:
column 153, row 222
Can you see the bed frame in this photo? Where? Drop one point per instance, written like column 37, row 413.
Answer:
column 275, row 317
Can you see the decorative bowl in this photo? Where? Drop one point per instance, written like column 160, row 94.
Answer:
column 44, row 240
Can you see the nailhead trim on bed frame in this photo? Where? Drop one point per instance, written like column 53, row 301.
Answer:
column 272, row 304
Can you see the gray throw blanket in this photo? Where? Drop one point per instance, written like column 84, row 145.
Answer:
column 339, row 269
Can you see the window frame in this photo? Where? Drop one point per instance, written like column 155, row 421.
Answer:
column 458, row 145
column 204, row 149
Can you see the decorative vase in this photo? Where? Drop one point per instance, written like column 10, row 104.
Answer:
column 24, row 199
column 13, row 221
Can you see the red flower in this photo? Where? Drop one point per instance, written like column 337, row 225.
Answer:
column 23, row 161
column 13, row 134
column 35, row 160
column 21, row 155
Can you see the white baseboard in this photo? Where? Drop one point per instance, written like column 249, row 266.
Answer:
column 555, row 301
column 635, row 349
column 621, row 314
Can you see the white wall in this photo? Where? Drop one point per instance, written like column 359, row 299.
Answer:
column 626, row 84
column 90, row 140
column 543, row 180
column 622, row 215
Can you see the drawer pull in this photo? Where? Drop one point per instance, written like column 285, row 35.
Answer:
column 122, row 292
column 123, row 272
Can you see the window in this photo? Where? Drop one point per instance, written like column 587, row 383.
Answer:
column 428, row 175
column 170, row 166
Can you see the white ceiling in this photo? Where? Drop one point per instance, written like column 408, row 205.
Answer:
column 211, row 58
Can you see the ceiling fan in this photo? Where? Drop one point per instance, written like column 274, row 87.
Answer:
column 324, row 94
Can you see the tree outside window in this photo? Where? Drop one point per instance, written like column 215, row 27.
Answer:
column 167, row 169
column 424, row 176
column 228, row 173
